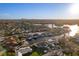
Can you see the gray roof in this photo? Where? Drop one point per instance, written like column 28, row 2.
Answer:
column 2, row 38
column 25, row 50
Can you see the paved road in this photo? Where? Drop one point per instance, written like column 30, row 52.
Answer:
column 45, row 39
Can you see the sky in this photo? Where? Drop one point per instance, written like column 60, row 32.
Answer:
column 36, row 11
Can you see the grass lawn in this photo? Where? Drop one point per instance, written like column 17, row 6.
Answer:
column 35, row 54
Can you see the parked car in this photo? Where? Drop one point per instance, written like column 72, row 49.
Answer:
column 29, row 38
column 43, row 35
column 35, row 36
column 49, row 34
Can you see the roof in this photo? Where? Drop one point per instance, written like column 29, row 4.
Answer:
column 2, row 38
column 25, row 50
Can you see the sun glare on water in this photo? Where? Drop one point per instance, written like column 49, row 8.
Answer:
column 74, row 30
column 74, row 12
